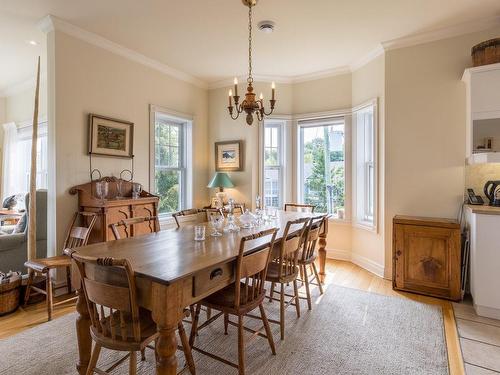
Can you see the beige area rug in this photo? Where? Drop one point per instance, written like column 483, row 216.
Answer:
column 347, row 332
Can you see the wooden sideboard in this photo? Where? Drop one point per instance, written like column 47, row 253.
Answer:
column 113, row 209
column 427, row 256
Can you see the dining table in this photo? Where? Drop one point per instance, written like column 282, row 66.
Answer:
column 172, row 272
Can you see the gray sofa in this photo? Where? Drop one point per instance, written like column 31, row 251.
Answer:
column 14, row 247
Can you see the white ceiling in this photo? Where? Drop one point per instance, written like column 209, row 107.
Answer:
column 208, row 39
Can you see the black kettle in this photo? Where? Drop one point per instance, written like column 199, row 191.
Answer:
column 492, row 192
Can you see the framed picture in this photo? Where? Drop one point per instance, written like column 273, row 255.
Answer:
column 228, row 156
column 110, row 137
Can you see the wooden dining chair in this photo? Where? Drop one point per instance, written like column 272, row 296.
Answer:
column 308, row 255
column 117, row 321
column 127, row 226
column 77, row 235
column 239, row 299
column 283, row 270
column 296, row 207
column 190, row 216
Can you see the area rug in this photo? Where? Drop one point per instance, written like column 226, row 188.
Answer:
column 347, row 332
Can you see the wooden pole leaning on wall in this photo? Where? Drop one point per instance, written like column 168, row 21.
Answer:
column 32, row 194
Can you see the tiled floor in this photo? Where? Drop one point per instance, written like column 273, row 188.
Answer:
column 479, row 339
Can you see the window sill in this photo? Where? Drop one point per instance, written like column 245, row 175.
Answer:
column 370, row 227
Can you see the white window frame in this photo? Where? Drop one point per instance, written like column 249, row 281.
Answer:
column 186, row 155
column 310, row 118
column 279, row 123
column 360, row 170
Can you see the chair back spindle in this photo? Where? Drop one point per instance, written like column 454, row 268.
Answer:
column 290, row 246
column 251, row 269
column 311, row 236
column 77, row 236
column 297, row 207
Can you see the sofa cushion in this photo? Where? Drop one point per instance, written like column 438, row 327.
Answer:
column 21, row 225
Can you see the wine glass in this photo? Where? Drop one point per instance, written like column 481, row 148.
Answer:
column 217, row 224
column 102, row 190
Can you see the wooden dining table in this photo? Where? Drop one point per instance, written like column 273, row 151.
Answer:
column 173, row 272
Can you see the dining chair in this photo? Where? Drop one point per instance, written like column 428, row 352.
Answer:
column 77, row 235
column 284, row 270
column 116, row 320
column 296, row 207
column 126, row 226
column 308, row 255
column 243, row 296
column 190, row 217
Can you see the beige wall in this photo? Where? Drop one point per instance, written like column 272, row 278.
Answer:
column 368, row 82
column 19, row 107
column 425, row 129
column 92, row 80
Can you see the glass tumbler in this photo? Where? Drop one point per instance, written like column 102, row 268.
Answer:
column 199, row 233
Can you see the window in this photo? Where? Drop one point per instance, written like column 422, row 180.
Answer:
column 322, row 164
column 365, row 165
column 24, row 153
column 273, row 163
column 171, row 160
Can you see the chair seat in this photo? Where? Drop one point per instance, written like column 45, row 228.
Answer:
column 308, row 260
column 42, row 265
column 226, row 298
column 273, row 274
column 148, row 330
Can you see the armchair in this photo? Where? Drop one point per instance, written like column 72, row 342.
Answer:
column 14, row 247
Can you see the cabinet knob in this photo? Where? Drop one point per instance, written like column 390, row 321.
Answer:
column 398, row 253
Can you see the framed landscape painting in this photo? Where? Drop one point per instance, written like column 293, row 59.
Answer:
column 228, row 156
column 110, row 137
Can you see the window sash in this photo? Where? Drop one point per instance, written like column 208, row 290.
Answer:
column 303, row 125
column 272, row 141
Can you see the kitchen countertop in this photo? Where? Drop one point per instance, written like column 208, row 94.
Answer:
column 485, row 210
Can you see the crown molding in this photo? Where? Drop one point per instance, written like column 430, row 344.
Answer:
column 25, row 85
column 370, row 56
column 442, row 33
column 341, row 70
column 51, row 23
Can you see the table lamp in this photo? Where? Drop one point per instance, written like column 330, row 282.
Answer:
column 220, row 180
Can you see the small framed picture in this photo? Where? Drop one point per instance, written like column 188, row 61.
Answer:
column 215, row 202
column 228, row 156
column 110, row 137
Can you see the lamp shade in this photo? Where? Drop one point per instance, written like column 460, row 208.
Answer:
column 220, row 180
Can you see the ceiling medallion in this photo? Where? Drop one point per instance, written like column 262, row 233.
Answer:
column 249, row 105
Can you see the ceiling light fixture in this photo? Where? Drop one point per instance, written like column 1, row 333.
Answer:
column 33, row 43
column 266, row 26
column 249, row 105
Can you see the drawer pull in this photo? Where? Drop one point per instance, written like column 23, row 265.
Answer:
column 216, row 273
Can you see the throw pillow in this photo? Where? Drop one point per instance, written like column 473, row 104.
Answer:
column 21, row 225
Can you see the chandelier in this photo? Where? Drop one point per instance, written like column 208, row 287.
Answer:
column 249, row 105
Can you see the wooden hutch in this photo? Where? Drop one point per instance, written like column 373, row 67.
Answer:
column 113, row 209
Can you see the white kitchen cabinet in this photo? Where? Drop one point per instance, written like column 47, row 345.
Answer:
column 483, row 112
column 483, row 223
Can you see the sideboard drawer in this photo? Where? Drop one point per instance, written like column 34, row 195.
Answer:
column 212, row 279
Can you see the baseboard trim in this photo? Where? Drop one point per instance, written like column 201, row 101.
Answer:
column 357, row 259
column 488, row 312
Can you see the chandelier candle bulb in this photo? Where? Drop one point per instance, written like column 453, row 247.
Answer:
column 261, row 96
column 230, row 98
column 273, row 88
column 235, row 86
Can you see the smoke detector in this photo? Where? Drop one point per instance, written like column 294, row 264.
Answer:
column 266, row 26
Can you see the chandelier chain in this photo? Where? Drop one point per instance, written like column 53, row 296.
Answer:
column 250, row 78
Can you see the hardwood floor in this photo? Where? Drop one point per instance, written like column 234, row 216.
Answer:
column 338, row 272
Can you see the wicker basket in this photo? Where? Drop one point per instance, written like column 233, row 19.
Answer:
column 486, row 52
column 9, row 296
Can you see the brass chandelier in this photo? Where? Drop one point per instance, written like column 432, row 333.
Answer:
column 249, row 105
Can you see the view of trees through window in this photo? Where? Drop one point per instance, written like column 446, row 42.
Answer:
column 324, row 167
column 168, row 165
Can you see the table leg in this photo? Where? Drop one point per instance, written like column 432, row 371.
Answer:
column 167, row 313
column 322, row 251
column 83, row 334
